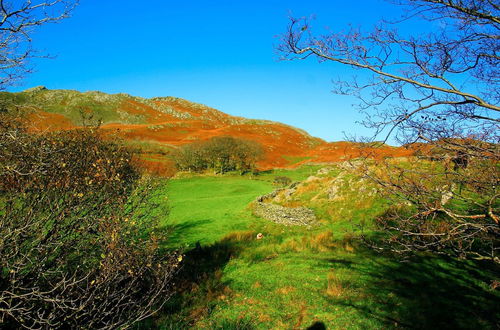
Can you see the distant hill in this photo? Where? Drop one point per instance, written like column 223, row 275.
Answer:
column 157, row 125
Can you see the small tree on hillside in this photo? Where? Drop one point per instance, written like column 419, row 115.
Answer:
column 226, row 153
column 246, row 155
column 441, row 88
column 222, row 154
column 191, row 157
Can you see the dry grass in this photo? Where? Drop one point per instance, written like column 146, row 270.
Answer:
column 264, row 318
column 322, row 242
column 292, row 246
column 308, row 187
column 348, row 242
column 285, row 290
column 239, row 236
column 335, row 287
column 301, row 316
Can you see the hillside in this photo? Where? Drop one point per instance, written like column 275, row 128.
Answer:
column 320, row 276
column 157, row 125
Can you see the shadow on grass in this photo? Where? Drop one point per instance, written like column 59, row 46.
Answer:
column 199, row 285
column 428, row 292
column 342, row 262
column 263, row 172
column 176, row 232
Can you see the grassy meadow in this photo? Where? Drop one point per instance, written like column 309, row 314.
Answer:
column 299, row 277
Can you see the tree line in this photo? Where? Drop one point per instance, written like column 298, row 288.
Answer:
column 221, row 154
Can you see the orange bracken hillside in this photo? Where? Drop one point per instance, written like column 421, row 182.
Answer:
column 158, row 125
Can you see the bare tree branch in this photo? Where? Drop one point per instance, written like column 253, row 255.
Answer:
column 440, row 91
column 18, row 20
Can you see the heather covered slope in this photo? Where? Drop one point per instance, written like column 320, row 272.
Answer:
column 160, row 124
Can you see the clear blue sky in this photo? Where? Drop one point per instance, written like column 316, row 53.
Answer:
column 219, row 53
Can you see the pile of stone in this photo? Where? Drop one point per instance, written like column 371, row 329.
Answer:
column 288, row 216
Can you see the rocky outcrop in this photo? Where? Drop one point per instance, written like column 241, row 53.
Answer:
column 35, row 89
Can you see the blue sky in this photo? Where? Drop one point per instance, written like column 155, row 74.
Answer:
column 219, row 53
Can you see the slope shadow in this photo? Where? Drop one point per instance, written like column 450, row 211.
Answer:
column 429, row 292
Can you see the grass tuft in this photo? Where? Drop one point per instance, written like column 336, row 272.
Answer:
column 239, row 236
column 335, row 287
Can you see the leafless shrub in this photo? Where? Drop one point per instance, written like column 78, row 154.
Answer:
column 438, row 90
column 79, row 240
column 19, row 18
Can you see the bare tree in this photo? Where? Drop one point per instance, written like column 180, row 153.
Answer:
column 439, row 88
column 19, row 19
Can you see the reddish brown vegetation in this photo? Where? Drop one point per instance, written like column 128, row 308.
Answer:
column 283, row 145
column 42, row 121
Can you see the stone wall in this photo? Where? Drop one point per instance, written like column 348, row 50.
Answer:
column 288, row 216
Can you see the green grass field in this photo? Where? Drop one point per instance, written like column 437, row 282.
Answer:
column 296, row 277
column 205, row 209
